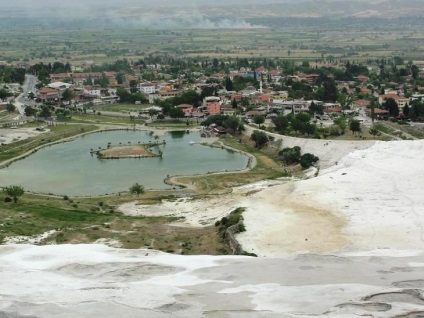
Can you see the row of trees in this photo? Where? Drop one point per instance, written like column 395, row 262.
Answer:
column 299, row 123
column 10, row 74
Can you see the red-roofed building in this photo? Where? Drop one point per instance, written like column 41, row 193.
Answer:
column 379, row 113
column 48, row 94
column 363, row 78
column 213, row 105
column 362, row 104
column 401, row 101
column 186, row 108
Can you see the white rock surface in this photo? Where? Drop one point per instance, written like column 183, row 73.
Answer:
column 347, row 243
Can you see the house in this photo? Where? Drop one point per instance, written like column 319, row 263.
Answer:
column 47, row 94
column 218, row 130
column 363, row 78
column 263, row 98
column 227, row 109
column 254, row 113
column 401, row 101
column 361, row 104
column 147, row 88
column 283, row 95
column 332, row 108
column 310, row 78
column 213, row 105
column 92, row 92
column 237, row 97
column 379, row 113
column 186, row 108
column 249, row 91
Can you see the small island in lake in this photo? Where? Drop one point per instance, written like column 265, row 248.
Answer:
column 128, row 151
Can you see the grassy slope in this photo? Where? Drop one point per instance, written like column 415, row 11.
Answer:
column 85, row 221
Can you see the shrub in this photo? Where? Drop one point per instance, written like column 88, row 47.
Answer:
column 290, row 155
column 307, row 160
column 8, row 199
column 241, row 227
column 65, row 197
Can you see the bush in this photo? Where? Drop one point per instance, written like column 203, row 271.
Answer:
column 290, row 155
column 8, row 199
column 65, row 197
column 241, row 227
column 307, row 160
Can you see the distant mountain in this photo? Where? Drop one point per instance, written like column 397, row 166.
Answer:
column 231, row 9
column 325, row 8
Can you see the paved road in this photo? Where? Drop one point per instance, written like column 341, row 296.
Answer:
column 29, row 86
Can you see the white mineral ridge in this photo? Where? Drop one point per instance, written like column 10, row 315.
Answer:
column 347, row 243
column 100, row 281
column 372, row 199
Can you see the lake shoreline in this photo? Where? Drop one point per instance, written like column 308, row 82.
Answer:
column 249, row 164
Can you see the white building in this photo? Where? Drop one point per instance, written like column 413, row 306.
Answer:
column 147, row 88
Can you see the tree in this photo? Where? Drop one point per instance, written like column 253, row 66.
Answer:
column 416, row 112
column 258, row 119
column 290, row 155
column 45, row 111
column 29, row 111
column 341, row 122
column 307, row 160
column 232, row 123
column 67, row 94
column 260, row 138
column 415, row 71
column 405, row 111
column 152, row 112
column 355, row 126
column 137, row 189
column 330, row 93
column 303, row 117
column 10, row 108
column 124, row 95
column 316, row 109
column 133, row 86
column 229, row 84
column 176, row 113
column 308, row 128
column 3, row 93
column 234, row 104
column 374, row 132
column 281, row 123
column 391, row 105
column 14, row 191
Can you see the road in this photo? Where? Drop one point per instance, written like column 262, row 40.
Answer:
column 29, row 86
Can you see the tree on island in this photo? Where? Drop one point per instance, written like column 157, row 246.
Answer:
column 137, row 189
column 14, row 191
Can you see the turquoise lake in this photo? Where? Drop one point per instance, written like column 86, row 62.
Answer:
column 70, row 169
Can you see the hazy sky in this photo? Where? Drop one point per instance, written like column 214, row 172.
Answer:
column 151, row 11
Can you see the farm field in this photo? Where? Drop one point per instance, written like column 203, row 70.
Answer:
column 290, row 39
